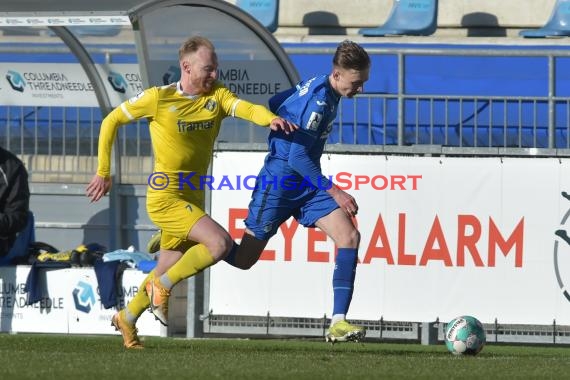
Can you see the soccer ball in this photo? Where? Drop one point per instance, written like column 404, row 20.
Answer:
column 465, row 336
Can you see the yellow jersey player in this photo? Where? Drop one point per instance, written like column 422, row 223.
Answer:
column 184, row 121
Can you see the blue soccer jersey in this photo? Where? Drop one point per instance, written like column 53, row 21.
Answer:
column 312, row 105
column 291, row 182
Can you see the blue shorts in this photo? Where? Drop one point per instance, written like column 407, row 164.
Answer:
column 270, row 206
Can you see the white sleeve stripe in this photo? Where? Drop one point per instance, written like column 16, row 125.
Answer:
column 126, row 112
column 234, row 107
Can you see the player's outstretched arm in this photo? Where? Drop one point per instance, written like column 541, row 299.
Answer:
column 260, row 115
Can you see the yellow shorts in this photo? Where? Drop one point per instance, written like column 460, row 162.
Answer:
column 175, row 216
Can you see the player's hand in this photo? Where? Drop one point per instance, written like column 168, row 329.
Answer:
column 98, row 187
column 280, row 124
column 345, row 201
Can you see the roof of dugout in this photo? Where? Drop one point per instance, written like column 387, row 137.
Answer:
column 251, row 59
column 159, row 28
column 66, row 7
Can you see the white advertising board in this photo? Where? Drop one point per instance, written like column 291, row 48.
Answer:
column 70, row 304
column 65, row 84
column 48, row 315
column 440, row 237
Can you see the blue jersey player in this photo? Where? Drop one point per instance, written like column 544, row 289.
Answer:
column 291, row 182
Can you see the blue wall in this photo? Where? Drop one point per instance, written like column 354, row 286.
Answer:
column 446, row 75
column 452, row 75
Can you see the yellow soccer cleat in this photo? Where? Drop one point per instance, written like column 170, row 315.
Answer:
column 128, row 331
column 342, row 331
column 158, row 296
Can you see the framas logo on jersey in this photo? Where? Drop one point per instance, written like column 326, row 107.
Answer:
column 314, row 121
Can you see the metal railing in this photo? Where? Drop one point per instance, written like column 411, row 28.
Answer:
column 472, row 121
column 454, row 121
column 60, row 143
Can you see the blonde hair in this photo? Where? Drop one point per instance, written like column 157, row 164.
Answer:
column 192, row 44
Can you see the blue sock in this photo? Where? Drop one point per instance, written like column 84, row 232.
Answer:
column 343, row 279
column 231, row 257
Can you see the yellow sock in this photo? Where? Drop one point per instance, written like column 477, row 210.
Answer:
column 140, row 301
column 195, row 260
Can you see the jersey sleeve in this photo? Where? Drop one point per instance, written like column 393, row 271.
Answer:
column 236, row 107
column 227, row 99
column 140, row 106
column 255, row 113
column 312, row 116
column 311, row 119
column 301, row 162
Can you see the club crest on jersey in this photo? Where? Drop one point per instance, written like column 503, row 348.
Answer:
column 210, row 105
column 314, row 121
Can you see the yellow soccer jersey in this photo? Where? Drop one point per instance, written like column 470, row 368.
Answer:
column 182, row 127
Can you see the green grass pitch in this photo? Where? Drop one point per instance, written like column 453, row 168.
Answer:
column 44, row 356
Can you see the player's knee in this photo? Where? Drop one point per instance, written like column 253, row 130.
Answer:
column 349, row 238
column 354, row 238
column 220, row 247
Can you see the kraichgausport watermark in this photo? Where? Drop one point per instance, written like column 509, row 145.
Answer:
column 343, row 180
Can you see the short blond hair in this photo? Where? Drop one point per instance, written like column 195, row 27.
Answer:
column 192, row 44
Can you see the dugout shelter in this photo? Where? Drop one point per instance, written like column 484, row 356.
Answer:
column 252, row 64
